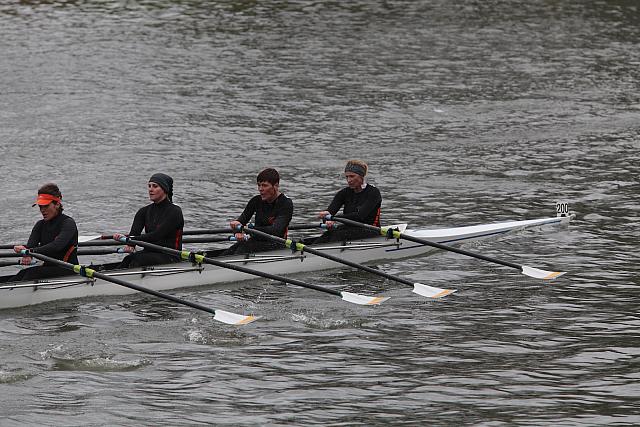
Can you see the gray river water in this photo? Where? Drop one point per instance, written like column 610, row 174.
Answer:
column 467, row 111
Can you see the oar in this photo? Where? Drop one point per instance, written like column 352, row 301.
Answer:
column 228, row 229
column 9, row 255
column 101, row 251
column 390, row 232
column 87, row 251
column 219, row 315
column 91, row 239
column 15, row 262
column 418, row 288
column 83, row 240
column 82, row 251
column 9, row 245
column 200, row 259
column 205, row 239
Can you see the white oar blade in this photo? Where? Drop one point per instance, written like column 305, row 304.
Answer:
column 233, row 318
column 430, row 291
column 82, row 239
column 540, row 274
column 362, row 299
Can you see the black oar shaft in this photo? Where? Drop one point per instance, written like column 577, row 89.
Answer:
column 200, row 258
column 10, row 255
column 93, row 273
column 229, row 230
column 100, row 251
column 301, row 247
column 209, row 239
column 84, row 251
column 398, row 234
column 9, row 263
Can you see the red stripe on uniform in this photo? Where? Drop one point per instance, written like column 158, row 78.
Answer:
column 376, row 221
column 68, row 253
column 178, row 238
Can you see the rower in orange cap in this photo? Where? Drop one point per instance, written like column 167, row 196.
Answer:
column 55, row 235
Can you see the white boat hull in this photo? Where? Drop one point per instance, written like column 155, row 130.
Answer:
column 181, row 275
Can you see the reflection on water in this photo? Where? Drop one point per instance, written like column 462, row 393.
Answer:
column 467, row 113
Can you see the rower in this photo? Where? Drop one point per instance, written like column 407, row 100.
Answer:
column 360, row 201
column 273, row 211
column 162, row 223
column 55, row 235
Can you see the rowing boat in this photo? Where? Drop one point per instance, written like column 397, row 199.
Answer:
column 284, row 261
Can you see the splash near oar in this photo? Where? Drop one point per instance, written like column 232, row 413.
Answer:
column 201, row 259
column 219, row 315
column 391, row 233
column 418, row 288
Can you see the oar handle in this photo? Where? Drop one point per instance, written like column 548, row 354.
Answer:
column 390, row 232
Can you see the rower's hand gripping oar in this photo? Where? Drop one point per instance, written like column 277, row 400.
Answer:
column 201, row 259
column 418, row 288
column 391, row 233
column 219, row 315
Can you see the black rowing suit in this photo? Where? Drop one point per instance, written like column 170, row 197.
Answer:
column 162, row 224
column 56, row 238
column 272, row 218
column 362, row 207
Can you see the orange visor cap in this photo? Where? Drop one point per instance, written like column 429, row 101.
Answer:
column 45, row 199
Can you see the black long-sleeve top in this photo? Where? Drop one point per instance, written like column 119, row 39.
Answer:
column 272, row 218
column 57, row 238
column 362, row 207
column 162, row 224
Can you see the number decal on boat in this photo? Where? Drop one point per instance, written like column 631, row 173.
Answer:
column 562, row 209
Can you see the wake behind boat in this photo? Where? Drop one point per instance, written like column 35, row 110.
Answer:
column 285, row 261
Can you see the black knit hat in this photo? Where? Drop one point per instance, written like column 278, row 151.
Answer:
column 165, row 182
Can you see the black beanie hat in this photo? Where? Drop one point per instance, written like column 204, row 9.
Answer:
column 165, row 182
